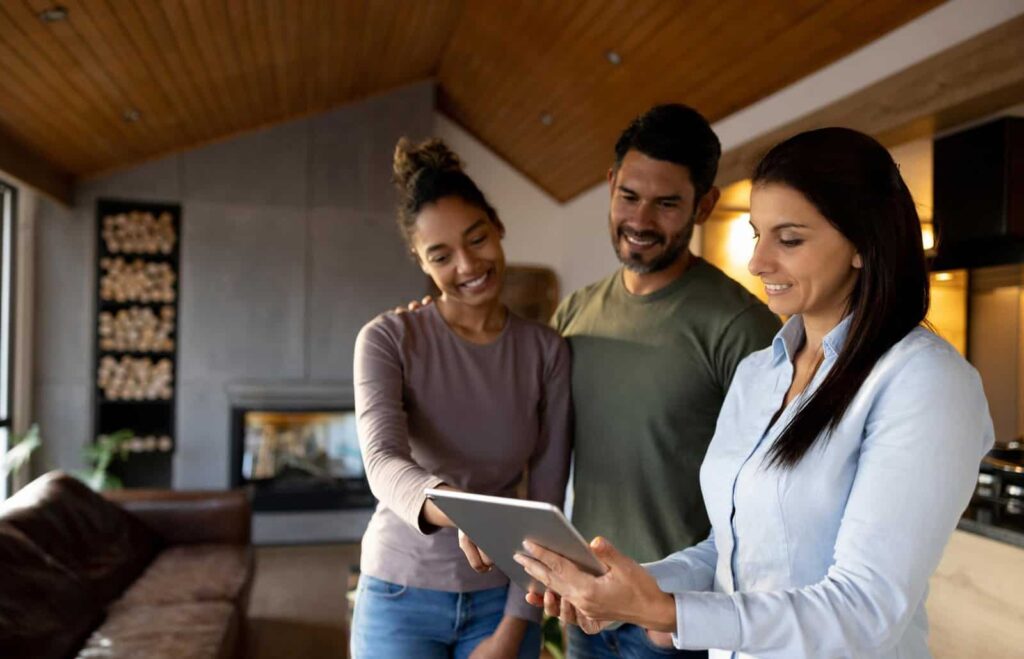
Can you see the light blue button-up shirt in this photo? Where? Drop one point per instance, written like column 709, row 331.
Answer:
column 831, row 558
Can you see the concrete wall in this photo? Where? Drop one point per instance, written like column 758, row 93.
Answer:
column 288, row 248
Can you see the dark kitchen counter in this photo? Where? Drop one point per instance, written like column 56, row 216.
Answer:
column 996, row 510
column 989, row 531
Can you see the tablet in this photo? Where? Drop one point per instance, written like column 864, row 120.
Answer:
column 498, row 526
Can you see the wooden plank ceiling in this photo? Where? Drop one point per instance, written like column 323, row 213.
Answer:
column 116, row 82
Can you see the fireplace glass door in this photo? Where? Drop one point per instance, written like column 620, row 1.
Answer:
column 301, row 459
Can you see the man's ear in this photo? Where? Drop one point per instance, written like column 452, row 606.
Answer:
column 706, row 204
column 611, row 180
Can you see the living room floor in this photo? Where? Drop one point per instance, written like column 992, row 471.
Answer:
column 298, row 606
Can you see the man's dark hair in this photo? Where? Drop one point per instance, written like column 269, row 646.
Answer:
column 678, row 134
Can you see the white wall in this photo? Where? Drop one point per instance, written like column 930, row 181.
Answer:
column 587, row 253
column 24, row 299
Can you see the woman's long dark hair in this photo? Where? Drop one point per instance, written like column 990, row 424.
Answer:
column 853, row 182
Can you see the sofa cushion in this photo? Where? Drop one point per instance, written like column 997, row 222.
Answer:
column 191, row 573
column 105, row 546
column 45, row 610
column 173, row 631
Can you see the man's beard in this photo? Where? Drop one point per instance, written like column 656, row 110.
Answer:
column 673, row 250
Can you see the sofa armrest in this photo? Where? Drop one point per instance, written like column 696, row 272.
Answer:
column 190, row 517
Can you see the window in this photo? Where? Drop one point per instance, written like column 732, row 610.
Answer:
column 7, row 221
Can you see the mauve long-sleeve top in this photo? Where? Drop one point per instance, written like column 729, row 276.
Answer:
column 435, row 408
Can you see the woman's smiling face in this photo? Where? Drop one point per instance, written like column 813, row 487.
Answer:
column 459, row 247
column 806, row 265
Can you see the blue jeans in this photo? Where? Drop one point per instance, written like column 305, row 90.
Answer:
column 626, row 642
column 394, row 622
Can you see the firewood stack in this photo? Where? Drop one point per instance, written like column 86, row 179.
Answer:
column 136, row 323
column 136, row 281
column 130, row 378
column 149, row 443
column 137, row 329
column 139, row 232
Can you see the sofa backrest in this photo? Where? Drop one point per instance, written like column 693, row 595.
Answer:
column 190, row 517
column 97, row 541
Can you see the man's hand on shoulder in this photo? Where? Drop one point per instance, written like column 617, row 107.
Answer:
column 415, row 304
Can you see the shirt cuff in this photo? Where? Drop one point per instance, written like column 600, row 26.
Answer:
column 705, row 621
column 516, row 605
column 414, row 513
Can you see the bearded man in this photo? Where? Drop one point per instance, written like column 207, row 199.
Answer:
column 654, row 347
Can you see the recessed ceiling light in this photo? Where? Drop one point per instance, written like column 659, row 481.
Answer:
column 613, row 58
column 131, row 115
column 53, row 14
column 547, row 119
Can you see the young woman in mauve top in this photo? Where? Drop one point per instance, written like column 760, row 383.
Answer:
column 459, row 394
column 844, row 453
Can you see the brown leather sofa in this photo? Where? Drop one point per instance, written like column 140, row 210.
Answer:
column 135, row 573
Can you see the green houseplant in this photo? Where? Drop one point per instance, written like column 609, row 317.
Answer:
column 99, row 455
column 19, row 451
column 554, row 641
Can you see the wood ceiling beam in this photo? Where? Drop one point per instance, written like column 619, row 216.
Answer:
column 981, row 76
column 26, row 165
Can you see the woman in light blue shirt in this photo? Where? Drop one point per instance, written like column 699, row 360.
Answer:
column 844, row 453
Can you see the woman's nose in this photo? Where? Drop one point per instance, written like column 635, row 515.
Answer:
column 465, row 262
column 759, row 261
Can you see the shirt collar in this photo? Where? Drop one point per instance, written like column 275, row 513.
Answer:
column 836, row 338
column 789, row 339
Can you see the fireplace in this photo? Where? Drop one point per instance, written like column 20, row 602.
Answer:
column 299, row 459
column 295, row 448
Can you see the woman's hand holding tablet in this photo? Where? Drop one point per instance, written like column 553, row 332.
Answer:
column 625, row 592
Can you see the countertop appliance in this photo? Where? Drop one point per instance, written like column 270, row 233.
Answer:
column 997, row 507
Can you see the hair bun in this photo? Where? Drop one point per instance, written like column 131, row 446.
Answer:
column 411, row 159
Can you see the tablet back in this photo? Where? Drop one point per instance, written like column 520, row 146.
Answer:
column 499, row 525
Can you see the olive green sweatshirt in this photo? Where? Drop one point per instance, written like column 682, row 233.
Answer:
column 649, row 373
